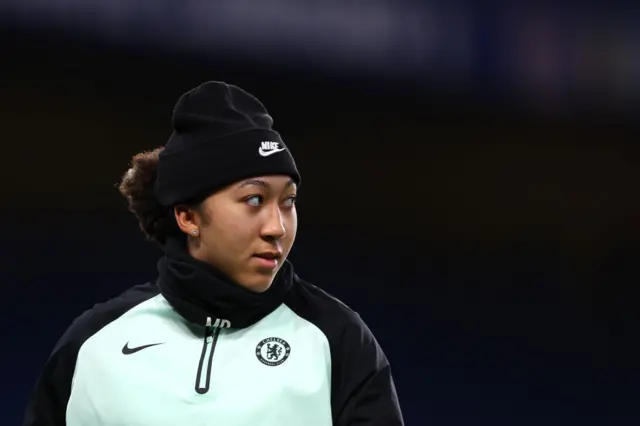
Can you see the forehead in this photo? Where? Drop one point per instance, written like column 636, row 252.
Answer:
column 269, row 182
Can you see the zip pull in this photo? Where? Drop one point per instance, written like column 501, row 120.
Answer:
column 203, row 377
column 208, row 331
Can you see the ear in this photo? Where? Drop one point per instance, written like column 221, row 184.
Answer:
column 187, row 220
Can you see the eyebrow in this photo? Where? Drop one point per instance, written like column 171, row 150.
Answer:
column 263, row 183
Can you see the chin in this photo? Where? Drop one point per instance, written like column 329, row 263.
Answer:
column 257, row 284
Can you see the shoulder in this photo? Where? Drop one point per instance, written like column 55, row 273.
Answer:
column 48, row 399
column 101, row 314
column 361, row 382
column 344, row 328
column 316, row 305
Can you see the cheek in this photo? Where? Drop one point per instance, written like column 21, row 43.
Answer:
column 230, row 232
column 291, row 226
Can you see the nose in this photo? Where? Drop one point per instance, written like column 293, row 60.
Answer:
column 274, row 226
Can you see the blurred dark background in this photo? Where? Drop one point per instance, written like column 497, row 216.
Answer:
column 470, row 180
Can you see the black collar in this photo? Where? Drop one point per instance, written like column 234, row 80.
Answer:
column 198, row 291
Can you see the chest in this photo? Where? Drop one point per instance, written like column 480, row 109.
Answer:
column 275, row 372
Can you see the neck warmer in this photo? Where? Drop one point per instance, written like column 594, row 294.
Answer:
column 198, row 291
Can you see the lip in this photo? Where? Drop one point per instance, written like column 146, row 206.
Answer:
column 270, row 254
column 264, row 263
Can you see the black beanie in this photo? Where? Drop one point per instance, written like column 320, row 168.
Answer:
column 221, row 135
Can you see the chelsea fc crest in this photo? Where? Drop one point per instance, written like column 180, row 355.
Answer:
column 273, row 351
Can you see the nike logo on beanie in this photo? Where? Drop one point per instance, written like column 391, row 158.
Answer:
column 269, row 148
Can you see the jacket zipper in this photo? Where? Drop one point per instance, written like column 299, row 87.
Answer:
column 203, row 379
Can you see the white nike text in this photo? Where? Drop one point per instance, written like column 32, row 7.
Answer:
column 268, row 148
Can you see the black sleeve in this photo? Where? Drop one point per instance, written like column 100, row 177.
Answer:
column 364, row 393
column 48, row 400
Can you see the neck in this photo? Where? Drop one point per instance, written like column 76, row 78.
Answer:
column 198, row 252
column 201, row 293
column 194, row 248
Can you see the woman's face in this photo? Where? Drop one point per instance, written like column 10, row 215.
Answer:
column 246, row 230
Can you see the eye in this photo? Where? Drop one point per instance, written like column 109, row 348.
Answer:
column 254, row 200
column 290, row 201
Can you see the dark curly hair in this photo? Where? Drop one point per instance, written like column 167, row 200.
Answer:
column 137, row 186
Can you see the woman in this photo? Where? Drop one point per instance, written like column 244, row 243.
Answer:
column 228, row 334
